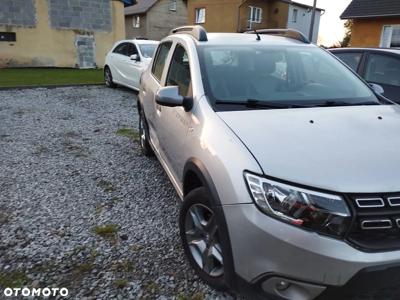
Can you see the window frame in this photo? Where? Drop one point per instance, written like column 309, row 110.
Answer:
column 172, row 5
column 295, row 15
column 196, row 15
column 136, row 21
column 155, row 59
column 190, row 88
column 390, row 39
column 253, row 14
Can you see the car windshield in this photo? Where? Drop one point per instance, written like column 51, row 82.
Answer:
column 279, row 77
column 148, row 50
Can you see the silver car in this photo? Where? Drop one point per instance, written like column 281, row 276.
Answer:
column 287, row 164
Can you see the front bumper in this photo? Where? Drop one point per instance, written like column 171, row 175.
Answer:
column 265, row 248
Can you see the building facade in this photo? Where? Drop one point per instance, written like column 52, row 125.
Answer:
column 242, row 15
column 375, row 23
column 153, row 19
column 59, row 33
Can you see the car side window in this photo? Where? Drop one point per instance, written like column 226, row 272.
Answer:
column 121, row 49
column 383, row 69
column 131, row 50
column 352, row 59
column 161, row 57
column 179, row 71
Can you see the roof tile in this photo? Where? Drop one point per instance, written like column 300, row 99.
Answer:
column 142, row 6
column 371, row 8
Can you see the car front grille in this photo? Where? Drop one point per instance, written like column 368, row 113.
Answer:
column 376, row 225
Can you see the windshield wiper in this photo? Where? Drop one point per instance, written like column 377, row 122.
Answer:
column 342, row 103
column 254, row 103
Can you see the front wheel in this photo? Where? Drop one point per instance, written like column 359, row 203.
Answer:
column 201, row 240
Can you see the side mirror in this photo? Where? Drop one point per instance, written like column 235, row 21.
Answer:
column 169, row 96
column 377, row 88
column 135, row 57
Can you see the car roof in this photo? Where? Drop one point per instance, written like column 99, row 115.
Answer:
column 139, row 41
column 387, row 50
column 238, row 39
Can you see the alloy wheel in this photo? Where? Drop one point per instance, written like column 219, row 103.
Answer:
column 202, row 237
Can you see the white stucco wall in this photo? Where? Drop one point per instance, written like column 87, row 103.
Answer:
column 304, row 20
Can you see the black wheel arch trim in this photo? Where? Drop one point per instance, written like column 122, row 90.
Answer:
column 196, row 166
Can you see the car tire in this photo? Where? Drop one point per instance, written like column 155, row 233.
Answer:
column 199, row 231
column 108, row 79
column 144, row 135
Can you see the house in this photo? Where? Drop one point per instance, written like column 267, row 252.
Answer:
column 59, row 33
column 153, row 19
column 242, row 15
column 375, row 23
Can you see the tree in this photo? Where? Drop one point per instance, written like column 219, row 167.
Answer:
column 348, row 25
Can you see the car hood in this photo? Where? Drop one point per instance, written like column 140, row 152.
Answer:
column 353, row 149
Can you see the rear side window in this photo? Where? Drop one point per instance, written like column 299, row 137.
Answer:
column 179, row 71
column 383, row 69
column 161, row 57
column 351, row 59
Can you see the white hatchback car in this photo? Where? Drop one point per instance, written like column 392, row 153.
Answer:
column 126, row 62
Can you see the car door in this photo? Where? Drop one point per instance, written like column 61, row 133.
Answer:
column 174, row 122
column 150, row 85
column 351, row 58
column 119, row 59
column 384, row 69
column 132, row 69
column 116, row 57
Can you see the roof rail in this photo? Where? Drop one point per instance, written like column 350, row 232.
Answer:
column 288, row 33
column 197, row 31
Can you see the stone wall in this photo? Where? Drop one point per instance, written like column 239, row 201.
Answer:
column 18, row 13
column 90, row 15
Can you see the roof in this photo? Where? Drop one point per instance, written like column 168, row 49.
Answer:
column 383, row 50
column 371, row 9
column 141, row 7
column 303, row 5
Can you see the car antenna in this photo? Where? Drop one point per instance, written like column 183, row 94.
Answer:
column 258, row 36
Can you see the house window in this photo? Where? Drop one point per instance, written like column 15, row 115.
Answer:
column 136, row 21
column 255, row 15
column 294, row 15
column 172, row 5
column 200, row 15
column 390, row 36
column 8, row 37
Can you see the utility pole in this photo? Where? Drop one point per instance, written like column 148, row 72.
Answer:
column 310, row 36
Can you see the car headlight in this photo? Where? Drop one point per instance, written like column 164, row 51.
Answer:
column 324, row 213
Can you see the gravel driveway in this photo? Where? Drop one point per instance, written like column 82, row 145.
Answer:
column 80, row 207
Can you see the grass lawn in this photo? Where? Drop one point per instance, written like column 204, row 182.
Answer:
column 48, row 76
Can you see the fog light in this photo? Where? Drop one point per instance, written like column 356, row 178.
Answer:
column 282, row 285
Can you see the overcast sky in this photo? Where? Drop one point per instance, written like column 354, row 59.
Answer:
column 331, row 29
